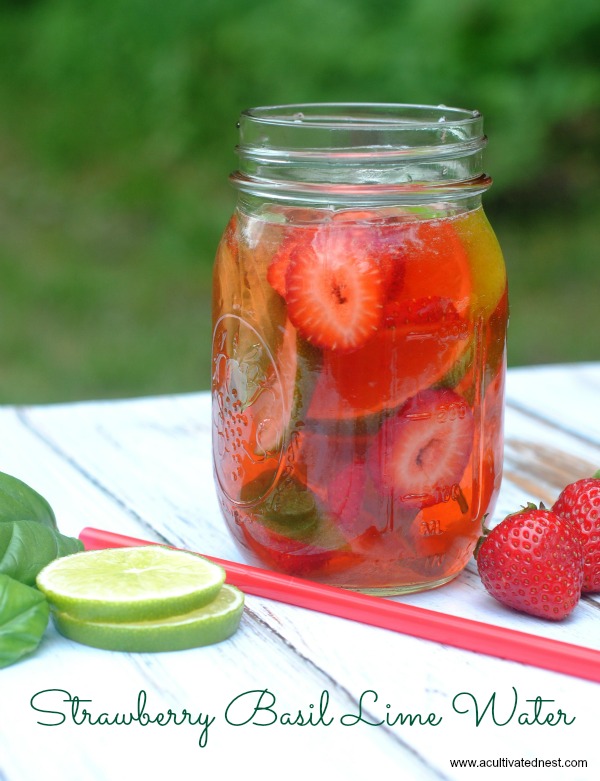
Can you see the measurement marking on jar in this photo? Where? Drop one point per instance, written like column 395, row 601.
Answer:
column 435, row 561
column 445, row 493
column 431, row 528
column 452, row 411
column 420, row 336
column 442, row 414
column 418, row 416
column 456, row 333
column 415, row 498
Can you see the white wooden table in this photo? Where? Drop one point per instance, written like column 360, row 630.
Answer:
column 142, row 467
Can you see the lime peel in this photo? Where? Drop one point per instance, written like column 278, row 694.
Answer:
column 206, row 625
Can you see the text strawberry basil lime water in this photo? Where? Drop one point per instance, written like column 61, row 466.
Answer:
column 360, row 310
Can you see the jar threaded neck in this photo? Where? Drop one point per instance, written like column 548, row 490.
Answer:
column 380, row 151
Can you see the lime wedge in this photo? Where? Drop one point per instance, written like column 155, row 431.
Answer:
column 130, row 584
column 209, row 624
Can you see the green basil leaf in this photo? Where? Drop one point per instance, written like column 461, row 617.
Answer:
column 24, row 614
column 27, row 546
column 19, row 501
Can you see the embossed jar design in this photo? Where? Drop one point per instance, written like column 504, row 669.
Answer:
column 359, row 314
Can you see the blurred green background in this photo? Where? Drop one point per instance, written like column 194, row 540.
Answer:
column 117, row 134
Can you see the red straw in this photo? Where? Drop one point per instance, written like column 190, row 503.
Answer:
column 416, row 621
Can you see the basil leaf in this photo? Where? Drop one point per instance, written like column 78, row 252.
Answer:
column 18, row 500
column 24, row 614
column 27, row 546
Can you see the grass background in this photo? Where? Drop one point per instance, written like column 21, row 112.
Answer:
column 117, row 134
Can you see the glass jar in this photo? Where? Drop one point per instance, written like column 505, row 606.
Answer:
column 360, row 310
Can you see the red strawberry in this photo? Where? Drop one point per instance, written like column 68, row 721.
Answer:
column 425, row 448
column 579, row 503
column 533, row 562
column 334, row 291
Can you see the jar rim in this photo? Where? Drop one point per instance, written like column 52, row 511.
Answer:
column 361, row 115
column 357, row 132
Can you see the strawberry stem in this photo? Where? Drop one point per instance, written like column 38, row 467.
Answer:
column 596, row 475
column 527, row 508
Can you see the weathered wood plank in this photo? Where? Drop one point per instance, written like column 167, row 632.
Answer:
column 565, row 397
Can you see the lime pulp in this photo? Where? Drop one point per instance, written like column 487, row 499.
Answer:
column 130, row 584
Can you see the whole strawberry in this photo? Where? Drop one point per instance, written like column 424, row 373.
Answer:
column 579, row 503
column 533, row 562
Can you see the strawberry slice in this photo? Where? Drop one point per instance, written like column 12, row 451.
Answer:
column 420, row 339
column 425, row 325
column 345, row 494
column 434, row 259
column 294, row 240
column 432, row 313
column 326, row 551
column 421, row 453
column 381, row 238
column 278, row 267
column 334, row 291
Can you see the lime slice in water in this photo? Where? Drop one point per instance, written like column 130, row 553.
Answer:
column 130, row 584
column 209, row 624
column 488, row 273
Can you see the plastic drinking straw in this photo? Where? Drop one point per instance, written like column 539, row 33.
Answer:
column 419, row 622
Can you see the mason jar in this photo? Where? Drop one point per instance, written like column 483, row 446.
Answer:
column 358, row 363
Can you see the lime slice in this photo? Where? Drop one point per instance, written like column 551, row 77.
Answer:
column 488, row 273
column 130, row 584
column 209, row 624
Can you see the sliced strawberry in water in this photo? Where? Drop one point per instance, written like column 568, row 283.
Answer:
column 425, row 327
column 295, row 240
column 434, row 312
column 421, row 339
column 435, row 261
column 325, row 551
column 345, row 494
column 334, row 291
column 380, row 239
column 278, row 268
column 323, row 455
column 421, row 453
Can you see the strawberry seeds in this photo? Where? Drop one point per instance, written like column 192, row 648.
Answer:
column 540, row 561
